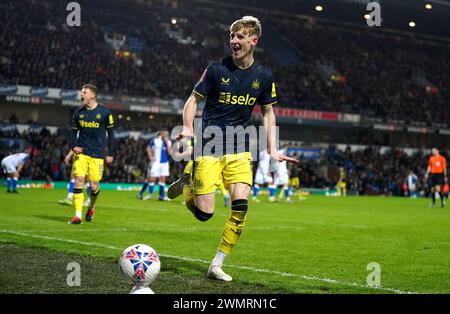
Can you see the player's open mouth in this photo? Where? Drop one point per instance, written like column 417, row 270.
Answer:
column 236, row 49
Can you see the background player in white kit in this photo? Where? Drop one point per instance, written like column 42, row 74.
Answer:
column 262, row 176
column 282, row 176
column 12, row 166
column 412, row 184
column 158, row 150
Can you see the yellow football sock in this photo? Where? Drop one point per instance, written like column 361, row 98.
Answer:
column 234, row 226
column 78, row 199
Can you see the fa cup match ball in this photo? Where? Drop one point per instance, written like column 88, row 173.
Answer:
column 141, row 290
column 139, row 265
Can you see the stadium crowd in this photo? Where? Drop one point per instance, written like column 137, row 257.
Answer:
column 339, row 69
column 370, row 171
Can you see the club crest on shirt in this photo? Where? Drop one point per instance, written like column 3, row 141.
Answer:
column 255, row 84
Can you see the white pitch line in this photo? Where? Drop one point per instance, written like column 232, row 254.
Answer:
column 163, row 228
column 189, row 259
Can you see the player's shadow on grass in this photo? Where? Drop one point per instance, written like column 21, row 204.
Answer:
column 52, row 218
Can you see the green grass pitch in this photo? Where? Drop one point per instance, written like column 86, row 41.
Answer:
column 319, row 245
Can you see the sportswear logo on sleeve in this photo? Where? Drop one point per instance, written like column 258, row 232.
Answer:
column 274, row 93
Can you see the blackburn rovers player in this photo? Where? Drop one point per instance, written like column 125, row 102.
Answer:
column 263, row 176
column 158, row 152
column 90, row 123
column 412, row 181
column 12, row 167
column 231, row 87
column 282, row 177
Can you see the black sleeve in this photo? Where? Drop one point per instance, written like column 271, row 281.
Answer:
column 111, row 141
column 74, row 130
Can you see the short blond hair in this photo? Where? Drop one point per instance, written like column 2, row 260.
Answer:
column 91, row 87
column 250, row 23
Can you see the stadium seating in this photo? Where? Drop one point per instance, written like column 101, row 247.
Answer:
column 168, row 45
column 339, row 69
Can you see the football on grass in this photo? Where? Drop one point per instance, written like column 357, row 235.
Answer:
column 139, row 265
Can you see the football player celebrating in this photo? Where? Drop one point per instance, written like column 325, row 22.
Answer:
column 231, row 88
column 90, row 124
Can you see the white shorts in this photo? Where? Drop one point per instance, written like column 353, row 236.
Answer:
column 159, row 170
column 281, row 178
column 262, row 177
column 8, row 167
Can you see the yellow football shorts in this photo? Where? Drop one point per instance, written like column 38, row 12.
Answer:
column 188, row 167
column 295, row 182
column 82, row 164
column 209, row 171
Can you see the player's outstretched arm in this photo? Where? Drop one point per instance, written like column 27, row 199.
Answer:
column 190, row 108
column 269, row 123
